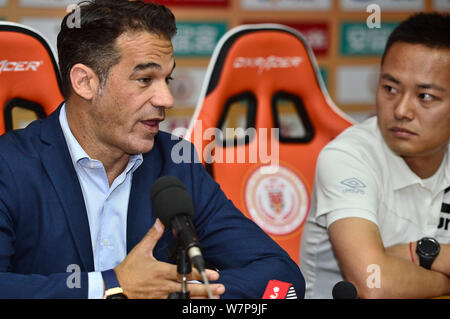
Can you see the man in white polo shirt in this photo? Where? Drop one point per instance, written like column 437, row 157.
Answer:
column 380, row 211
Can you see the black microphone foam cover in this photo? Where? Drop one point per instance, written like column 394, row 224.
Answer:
column 344, row 290
column 170, row 198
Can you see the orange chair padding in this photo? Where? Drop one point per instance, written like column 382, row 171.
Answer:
column 29, row 75
column 265, row 62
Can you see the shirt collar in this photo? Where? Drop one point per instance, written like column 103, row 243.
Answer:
column 77, row 153
column 447, row 167
column 134, row 162
column 402, row 175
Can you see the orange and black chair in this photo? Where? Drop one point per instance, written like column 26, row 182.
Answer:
column 264, row 86
column 29, row 74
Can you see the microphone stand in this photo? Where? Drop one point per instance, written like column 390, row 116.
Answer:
column 184, row 268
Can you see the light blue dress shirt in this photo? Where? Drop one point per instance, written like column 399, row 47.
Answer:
column 106, row 207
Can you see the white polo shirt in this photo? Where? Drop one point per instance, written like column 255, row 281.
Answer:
column 357, row 175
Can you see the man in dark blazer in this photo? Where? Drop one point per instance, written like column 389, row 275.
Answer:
column 75, row 211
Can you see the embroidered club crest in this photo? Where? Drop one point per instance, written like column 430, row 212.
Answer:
column 277, row 202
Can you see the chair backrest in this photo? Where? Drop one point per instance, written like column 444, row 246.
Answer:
column 29, row 75
column 263, row 77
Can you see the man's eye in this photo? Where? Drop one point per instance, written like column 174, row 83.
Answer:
column 144, row 80
column 390, row 89
column 426, row 97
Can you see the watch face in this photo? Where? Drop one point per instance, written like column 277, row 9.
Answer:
column 428, row 247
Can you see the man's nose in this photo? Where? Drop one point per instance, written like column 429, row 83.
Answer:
column 404, row 109
column 163, row 98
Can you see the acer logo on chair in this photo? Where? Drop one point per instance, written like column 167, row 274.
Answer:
column 22, row 66
column 267, row 63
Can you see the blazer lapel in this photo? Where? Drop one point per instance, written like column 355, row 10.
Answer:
column 58, row 164
column 140, row 216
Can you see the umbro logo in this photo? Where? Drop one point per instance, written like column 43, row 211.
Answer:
column 353, row 183
column 355, row 186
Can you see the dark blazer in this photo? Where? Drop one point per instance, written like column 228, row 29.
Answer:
column 44, row 228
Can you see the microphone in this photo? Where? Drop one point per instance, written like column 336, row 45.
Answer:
column 344, row 290
column 173, row 205
column 279, row 290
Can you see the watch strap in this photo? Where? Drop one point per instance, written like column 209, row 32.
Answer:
column 426, row 262
column 112, row 286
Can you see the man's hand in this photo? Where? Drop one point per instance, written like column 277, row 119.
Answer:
column 357, row 244
column 441, row 263
column 142, row 276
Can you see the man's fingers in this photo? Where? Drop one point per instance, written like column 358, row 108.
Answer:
column 199, row 290
column 153, row 235
column 212, row 275
column 165, row 278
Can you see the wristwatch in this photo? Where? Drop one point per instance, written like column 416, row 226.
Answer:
column 112, row 286
column 428, row 249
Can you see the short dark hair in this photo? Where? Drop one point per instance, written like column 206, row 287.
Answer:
column 429, row 29
column 92, row 41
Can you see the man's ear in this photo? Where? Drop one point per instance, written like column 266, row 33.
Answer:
column 85, row 82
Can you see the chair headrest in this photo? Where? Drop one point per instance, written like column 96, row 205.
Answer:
column 29, row 73
column 265, row 60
